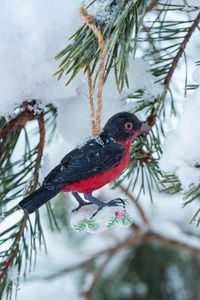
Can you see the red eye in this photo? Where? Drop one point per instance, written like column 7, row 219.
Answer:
column 128, row 125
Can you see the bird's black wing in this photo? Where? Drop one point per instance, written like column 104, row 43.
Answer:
column 92, row 159
column 67, row 157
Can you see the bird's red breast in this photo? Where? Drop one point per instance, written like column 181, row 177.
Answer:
column 87, row 186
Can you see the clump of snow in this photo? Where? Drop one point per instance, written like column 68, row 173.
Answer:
column 102, row 10
column 141, row 78
column 37, row 108
column 99, row 140
column 73, row 119
column 32, row 33
column 74, row 122
column 182, row 147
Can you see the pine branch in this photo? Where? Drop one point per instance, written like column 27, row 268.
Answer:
column 173, row 244
column 151, row 42
column 11, row 258
column 14, row 176
column 137, row 240
column 18, row 123
column 163, row 64
column 181, row 50
column 131, row 241
column 84, row 49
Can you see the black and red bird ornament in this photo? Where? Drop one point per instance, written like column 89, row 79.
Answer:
column 86, row 169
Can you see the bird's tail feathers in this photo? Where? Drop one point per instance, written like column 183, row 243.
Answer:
column 32, row 202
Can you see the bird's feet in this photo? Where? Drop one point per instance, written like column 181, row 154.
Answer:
column 114, row 202
column 92, row 200
column 81, row 202
column 81, row 205
column 97, row 216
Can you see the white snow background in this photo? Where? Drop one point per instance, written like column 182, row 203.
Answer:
column 28, row 31
column 32, row 32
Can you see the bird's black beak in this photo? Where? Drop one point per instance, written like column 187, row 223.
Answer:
column 145, row 127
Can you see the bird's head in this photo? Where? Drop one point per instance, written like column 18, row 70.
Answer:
column 124, row 126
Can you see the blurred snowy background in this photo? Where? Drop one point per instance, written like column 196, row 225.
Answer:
column 32, row 32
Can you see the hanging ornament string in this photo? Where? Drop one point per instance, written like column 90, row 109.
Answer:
column 91, row 98
column 95, row 117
